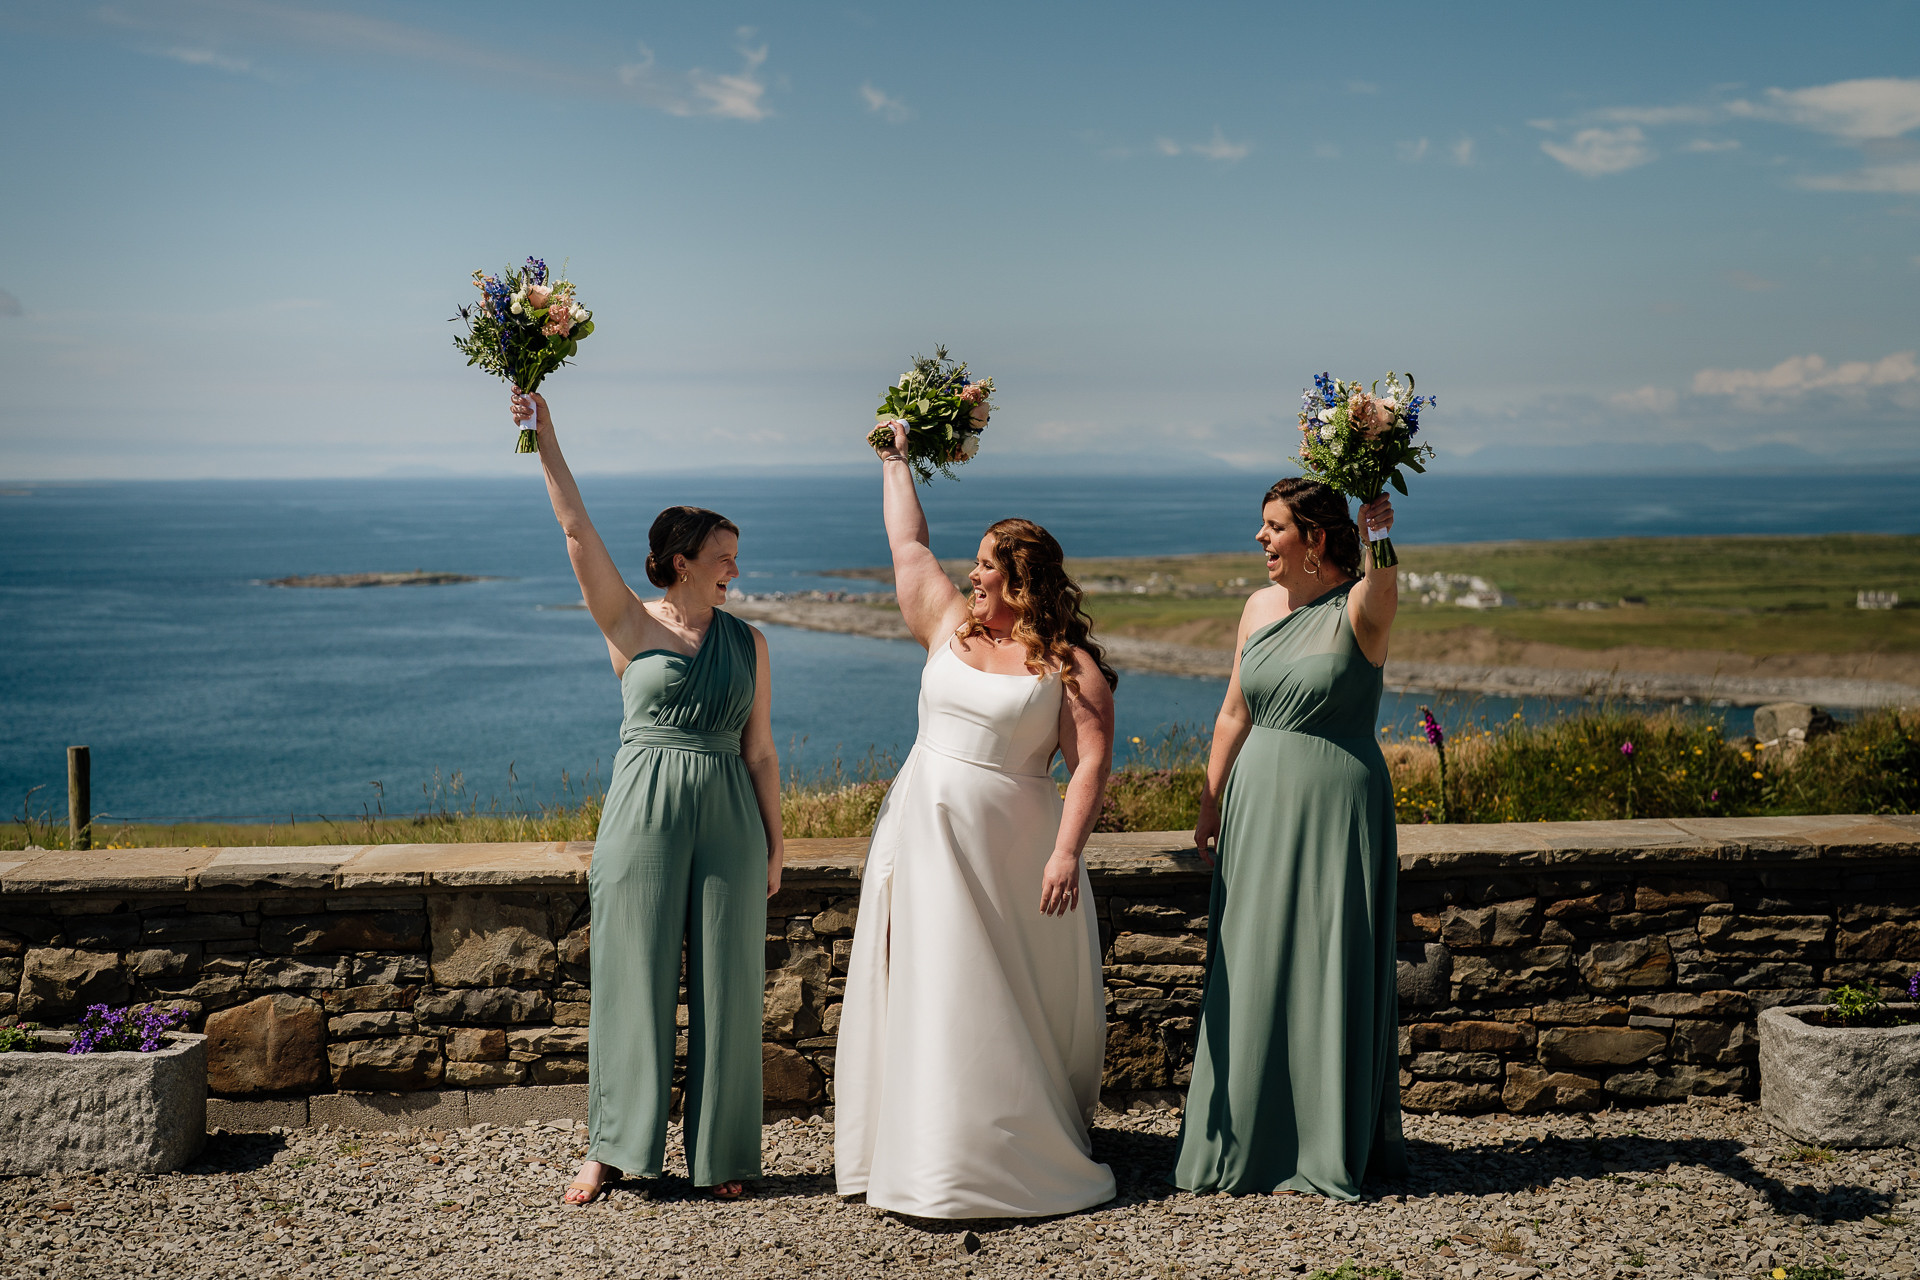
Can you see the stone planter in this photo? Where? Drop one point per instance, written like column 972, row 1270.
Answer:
column 126, row 1111
column 1840, row 1086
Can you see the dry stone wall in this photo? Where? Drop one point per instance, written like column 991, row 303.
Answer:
column 1542, row 966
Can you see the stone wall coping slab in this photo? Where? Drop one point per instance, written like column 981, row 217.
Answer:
column 311, row 866
column 1112, row 859
column 167, row 870
column 447, row 866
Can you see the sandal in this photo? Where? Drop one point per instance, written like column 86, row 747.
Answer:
column 583, row 1192
column 719, row 1190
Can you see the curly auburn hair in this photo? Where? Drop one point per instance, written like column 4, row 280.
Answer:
column 1318, row 506
column 1051, row 622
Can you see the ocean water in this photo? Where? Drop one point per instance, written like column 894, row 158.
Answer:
column 135, row 618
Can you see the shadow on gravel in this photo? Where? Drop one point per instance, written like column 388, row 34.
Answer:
column 237, row 1153
column 1493, row 1168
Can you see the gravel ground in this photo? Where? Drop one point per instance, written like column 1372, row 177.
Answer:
column 1704, row 1189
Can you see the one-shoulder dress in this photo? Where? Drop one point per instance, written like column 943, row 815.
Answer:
column 1296, row 1073
column 971, row 1038
column 681, row 852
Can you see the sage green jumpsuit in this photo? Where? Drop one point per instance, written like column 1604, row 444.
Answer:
column 681, row 850
column 1296, row 1074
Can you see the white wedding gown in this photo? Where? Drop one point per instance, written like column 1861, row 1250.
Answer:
column 971, row 1040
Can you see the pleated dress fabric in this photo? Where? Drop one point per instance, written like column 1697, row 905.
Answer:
column 972, row 1034
column 681, row 853
column 1296, row 1071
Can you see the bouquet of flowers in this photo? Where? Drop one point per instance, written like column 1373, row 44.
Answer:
column 1355, row 440
column 525, row 327
column 945, row 413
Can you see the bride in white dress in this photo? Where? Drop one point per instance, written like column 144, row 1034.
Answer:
column 972, row 1036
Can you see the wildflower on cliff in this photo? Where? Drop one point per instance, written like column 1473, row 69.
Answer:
column 1626, row 749
column 1913, row 987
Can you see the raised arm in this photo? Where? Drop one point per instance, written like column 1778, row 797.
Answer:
column 1086, row 741
column 613, row 604
column 763, row 760
column 1376, row 597
column 1230, row 729
column 929, row 601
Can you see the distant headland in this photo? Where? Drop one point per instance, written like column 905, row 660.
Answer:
column 411, row 578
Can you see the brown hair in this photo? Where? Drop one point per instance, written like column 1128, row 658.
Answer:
column 1318, row 506
column 680, row 531
column 1051, row 622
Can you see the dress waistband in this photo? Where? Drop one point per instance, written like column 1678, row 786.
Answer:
column 719, row 742
column 996, row 766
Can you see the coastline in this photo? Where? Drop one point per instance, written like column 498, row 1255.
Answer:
column 1130, row 654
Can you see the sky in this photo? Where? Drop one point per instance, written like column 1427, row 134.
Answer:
column 1608, row 237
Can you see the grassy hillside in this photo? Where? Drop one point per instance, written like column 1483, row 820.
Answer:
column 1760, row 596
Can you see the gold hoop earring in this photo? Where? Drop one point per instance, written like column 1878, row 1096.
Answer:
column 1312, row 570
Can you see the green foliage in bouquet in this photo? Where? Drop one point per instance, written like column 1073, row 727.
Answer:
column 944, row 412
column 525, row 327
column 1356, row 440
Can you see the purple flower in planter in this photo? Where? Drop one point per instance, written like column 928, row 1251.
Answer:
column 105, row 1030
column 1913, row 987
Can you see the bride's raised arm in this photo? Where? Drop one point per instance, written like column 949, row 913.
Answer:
column 613, row 604
column 929, row 601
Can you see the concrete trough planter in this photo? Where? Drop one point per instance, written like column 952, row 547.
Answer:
column 1840, row 1086
column 125, row 1111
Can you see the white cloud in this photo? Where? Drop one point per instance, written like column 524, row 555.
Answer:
column 1594, row 152
column 892, row 110
column 1752, row 388
column 207, row 58
column 1611, row 139
column 1411, row 151
column 1655, row 117
column 1857, row 110
column 191, row 31
column 1645, row 400
column 1750, row 282
column 735, row 97
column 1215, row 148
column 1462, row 151
column 1901, row 177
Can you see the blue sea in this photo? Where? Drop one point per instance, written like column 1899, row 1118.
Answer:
column 136, row 619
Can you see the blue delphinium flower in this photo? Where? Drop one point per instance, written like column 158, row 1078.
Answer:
column 537, row 268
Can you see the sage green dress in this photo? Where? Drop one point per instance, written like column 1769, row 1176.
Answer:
column 1296, row 1073
column 681, row 850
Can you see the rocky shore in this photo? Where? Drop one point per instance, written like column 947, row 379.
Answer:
column 410, row 578
column 1128, row 653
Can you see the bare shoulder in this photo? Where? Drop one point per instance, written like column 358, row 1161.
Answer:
column 1265, row 605
column 1087, row 671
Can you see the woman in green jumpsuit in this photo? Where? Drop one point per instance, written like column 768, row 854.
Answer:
column 1296, row 1072
column 689, row 849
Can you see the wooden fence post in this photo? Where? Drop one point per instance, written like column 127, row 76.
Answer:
column 79, row 799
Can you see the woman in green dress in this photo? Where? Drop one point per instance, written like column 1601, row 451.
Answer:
column 689, row 846
column 1296, row 1073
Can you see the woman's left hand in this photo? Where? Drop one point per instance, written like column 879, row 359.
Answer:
column 1060, row 884
column 1376, row 518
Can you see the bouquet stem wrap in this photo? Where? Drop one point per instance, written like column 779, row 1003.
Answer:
column 1381, row 548
column 529, row 437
